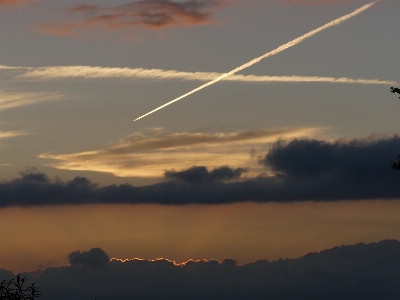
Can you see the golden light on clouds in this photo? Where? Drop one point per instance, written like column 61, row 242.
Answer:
column 10, row 100
column 244, row 231
column 11, row 134
column 150, row 155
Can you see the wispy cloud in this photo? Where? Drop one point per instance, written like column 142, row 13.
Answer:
column 90, row 72
column 148, row 14
column 316, row 2
column 15, row 2
column 10, row 100
column 143, row 155
column 266, row 55
column 11, row 134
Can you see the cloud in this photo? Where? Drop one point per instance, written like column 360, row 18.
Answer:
column 355, row 160
column 147, row 14
column 89, row 72
column 141, row 155
column 9, row 100
column 11, row 134
column 306, row 170
column 316, row 2
column 95, row 258
column 361, row 271
column 15, row 2
column 201, row 174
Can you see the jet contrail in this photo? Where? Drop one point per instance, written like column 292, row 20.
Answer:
column 90, row 72
column 273, row 52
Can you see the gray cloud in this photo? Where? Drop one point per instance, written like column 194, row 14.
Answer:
column 362, row 271
column 94, row 258
column 305, row 170
column 201, row 174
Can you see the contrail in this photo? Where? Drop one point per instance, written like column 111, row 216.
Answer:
column 89, row 72
column 271, row 53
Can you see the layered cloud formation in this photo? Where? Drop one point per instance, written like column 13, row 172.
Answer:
column 304, row 170
column 150, row 154
column 362, row 271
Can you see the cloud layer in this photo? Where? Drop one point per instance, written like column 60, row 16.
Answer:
column 362, row 271
column 149, row 155
column 304, row 170
column 201, row 174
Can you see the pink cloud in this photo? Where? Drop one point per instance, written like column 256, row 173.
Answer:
column 145, row 14
column 15, row 2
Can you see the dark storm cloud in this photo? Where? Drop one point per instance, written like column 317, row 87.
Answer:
column 201, row 174
column 95, row 258
column 362, row 271
column 306, row 170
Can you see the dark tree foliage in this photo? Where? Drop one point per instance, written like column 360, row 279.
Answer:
column 13, row 289
column 396, row 166
column 395, row 90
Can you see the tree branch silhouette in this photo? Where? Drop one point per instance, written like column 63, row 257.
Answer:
column 14, row 290
column 395, row 166
column 395, row 90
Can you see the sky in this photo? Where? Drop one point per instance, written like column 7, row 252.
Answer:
column 286, row 156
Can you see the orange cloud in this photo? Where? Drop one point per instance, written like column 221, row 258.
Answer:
column 14, row 2
column 146, row 14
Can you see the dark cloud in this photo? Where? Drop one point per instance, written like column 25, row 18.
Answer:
column 306, row 170
column 94, row 258
column 362, row 271
column 151, row 14
column 201, row 174
column 356, row 161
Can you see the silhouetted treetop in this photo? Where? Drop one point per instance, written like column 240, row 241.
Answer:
column 395, row 90
column 13, row 289
column 395, row 165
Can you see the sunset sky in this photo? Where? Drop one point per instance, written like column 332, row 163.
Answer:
column 289, row 156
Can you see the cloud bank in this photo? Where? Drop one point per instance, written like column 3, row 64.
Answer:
column 362, row 271
column 305, row 170
column 147, row 14
column 95, row 258
column 201, row 174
